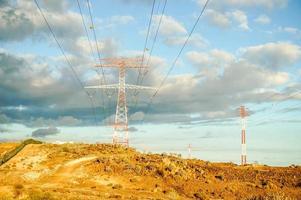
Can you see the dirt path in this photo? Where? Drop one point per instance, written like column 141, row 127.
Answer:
column 68, row 170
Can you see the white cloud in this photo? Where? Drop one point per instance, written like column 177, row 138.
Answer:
column 60, row 121
column 210, row 64
column 195, row 40
column 174, row 33
column 215, row 57
column 224, row 20
column 222, row 4
column 23, row 20
column 55, row 5
column 263, row 19
column 169, row 26
column 291, row 30
column 122, row 19
column 217, row 95
column 198, row 58
column 273, row 55
column 114, row 21
column 217, row 18
column 242, row 19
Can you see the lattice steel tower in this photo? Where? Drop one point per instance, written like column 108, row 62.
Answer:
column 121, row 135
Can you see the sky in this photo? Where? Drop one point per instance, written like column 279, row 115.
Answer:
column 240, row 53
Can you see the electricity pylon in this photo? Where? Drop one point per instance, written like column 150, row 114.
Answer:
column 121, row 135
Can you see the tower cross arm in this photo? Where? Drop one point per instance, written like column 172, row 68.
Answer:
column 135, row 62
column 139, row 87
column 116, row 86
column 118, row 65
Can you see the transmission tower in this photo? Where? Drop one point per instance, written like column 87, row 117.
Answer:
column 121, row 135
column 243, row 114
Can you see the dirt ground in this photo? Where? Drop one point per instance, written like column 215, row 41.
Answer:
column 103, row 171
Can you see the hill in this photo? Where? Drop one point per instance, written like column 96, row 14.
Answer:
column 104, row 171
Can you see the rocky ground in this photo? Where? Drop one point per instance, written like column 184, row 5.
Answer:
column 103, row 171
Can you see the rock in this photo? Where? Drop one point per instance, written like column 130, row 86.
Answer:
column 117, row 186
column 200, row 171
column 133, row 180
column 108, row 169
column 166, row 161
column 129, row 168
column 156, row 190
column 219, row 177
column 251, row 184
column 138, row 169
column 160, row 173
column 199, row 196
column 149, row 167
column 264, row 183
column 115, row 196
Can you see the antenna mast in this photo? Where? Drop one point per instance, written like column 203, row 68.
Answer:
column 243, row 114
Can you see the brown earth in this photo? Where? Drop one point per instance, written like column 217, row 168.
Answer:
column 103, row 171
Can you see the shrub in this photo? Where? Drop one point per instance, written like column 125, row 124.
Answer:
column 39, row 195
column 18, row 189
column 65, row 149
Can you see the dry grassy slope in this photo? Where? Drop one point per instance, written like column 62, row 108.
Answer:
column 82, row 171
column 5, row 147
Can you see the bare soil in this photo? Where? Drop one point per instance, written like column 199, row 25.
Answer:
column 103, row 171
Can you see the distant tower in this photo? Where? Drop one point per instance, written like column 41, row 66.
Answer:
column 121, row 135
column 243, row 114
column 189, row 151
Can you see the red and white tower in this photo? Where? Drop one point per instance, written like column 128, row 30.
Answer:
column 121, row 134
column 243, row 114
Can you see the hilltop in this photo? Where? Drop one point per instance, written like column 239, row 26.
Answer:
column 104, row 171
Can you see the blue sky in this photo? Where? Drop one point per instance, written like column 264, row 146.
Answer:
column 241, row 53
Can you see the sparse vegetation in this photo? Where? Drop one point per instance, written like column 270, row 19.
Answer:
column 65, row 149
column 18, row 189
column 14, row 152
column 39, row 195
column 102, row 171
column 275, row 196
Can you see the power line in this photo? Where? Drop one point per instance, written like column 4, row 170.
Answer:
column 96, row 43
column 155, row 38
column 67, row 60
column 91, row 49
column 85, row 28
column 177, row 57
column 145, row 42
column 150, row 54
column 108, row 95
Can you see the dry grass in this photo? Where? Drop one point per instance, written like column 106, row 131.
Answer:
column 275, row 196
column 102, row 171
column 39, row 195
